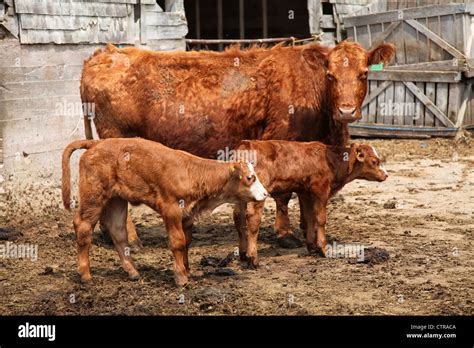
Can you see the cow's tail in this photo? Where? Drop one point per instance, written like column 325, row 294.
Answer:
column 66, row 175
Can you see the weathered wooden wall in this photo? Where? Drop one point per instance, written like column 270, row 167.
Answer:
column 40, row 66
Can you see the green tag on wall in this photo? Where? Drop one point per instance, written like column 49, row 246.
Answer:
column 376, row 67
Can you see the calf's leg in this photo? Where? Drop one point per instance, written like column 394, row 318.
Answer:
column 241, row 226
column 84, row 222
column 133, row 239
column 188, row 231
column 254, row 218
column 319, row 216
column 115, row 219
column 177, row 243
column 285, row 237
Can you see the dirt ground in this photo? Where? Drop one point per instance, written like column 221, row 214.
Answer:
column 422, row 216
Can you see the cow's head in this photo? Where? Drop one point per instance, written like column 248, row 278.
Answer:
column 366, row 163
column 347, row 66
column 244, row 183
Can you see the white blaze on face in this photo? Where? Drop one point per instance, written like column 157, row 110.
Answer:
column 376, row 154
column 256, row 189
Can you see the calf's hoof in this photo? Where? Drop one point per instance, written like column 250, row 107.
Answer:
column 314, row 250
column 180, row 280
column 136, row 245
column 86, row 278
column 134, row 276
column 289, row 241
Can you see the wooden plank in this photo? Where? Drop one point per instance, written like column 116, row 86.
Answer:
column 439, row 114
column 68, row 22
column 397, row 39
column 400, row 132
column 389, row 98
column 165, row 18
column 143, row 20
column 442, row 65
column 442, row 94
column 420, row 119
column 315, row 13
column 375, row 92
column 411, row 44
column 384, row 35
column 372, row 112
column 430, row 92
column 327, row 22
column 363, row 36
column 454, row 100
column 413, row 13
column 436, row 39
column 464, row 105
column 416, row 75
column 399, row 100
column 58, row 7
column 166, row 32
column 381, row 100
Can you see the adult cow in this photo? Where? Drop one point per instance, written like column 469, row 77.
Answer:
column 204, row 102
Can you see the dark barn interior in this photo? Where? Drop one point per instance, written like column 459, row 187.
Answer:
column 245, row 19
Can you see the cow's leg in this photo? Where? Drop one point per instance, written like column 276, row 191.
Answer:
column 188, row 231
column 84, row 223
column 285, row 237
column 306, row 208
column 303, row 225
column 115, row 219
column 177, row 242
column 240, row 210
column 254, row 218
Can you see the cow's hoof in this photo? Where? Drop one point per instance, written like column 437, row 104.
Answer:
column 252, row 262
column 136, row 245
column 243, row 256
column 289, row 241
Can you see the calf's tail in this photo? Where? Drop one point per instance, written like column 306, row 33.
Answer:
column 66, row 170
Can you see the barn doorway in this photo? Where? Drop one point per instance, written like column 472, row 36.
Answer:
column 245, row 19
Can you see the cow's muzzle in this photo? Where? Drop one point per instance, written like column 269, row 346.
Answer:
column 347, row 114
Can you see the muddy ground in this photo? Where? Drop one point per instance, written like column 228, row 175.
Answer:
column 422, row 216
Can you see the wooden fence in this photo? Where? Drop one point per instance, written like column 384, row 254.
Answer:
column 428, row 88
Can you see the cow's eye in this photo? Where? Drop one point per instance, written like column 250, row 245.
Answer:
column 331, row 77
column 363, row 76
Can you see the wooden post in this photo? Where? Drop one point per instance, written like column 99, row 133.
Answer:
column 241, row 20
column 220, row 31
column 198, row 22
column 264, row 19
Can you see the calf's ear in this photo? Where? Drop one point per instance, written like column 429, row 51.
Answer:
column 383, row 53
column 360, row 155
column 315, row 57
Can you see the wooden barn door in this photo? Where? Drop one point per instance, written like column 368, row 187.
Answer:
column 429, row 70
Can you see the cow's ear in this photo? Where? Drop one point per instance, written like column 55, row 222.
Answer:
column 315, row 56
column 382, row 53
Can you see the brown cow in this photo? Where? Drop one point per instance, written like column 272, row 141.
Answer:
column 203, row 102
column 176, row 184
column 314, row 170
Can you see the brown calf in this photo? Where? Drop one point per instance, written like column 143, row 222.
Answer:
column 176, row 184
column 315, row 171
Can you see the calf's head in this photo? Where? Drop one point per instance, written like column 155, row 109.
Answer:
column 244, row 184
column 366, row 163
column 347, row 67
